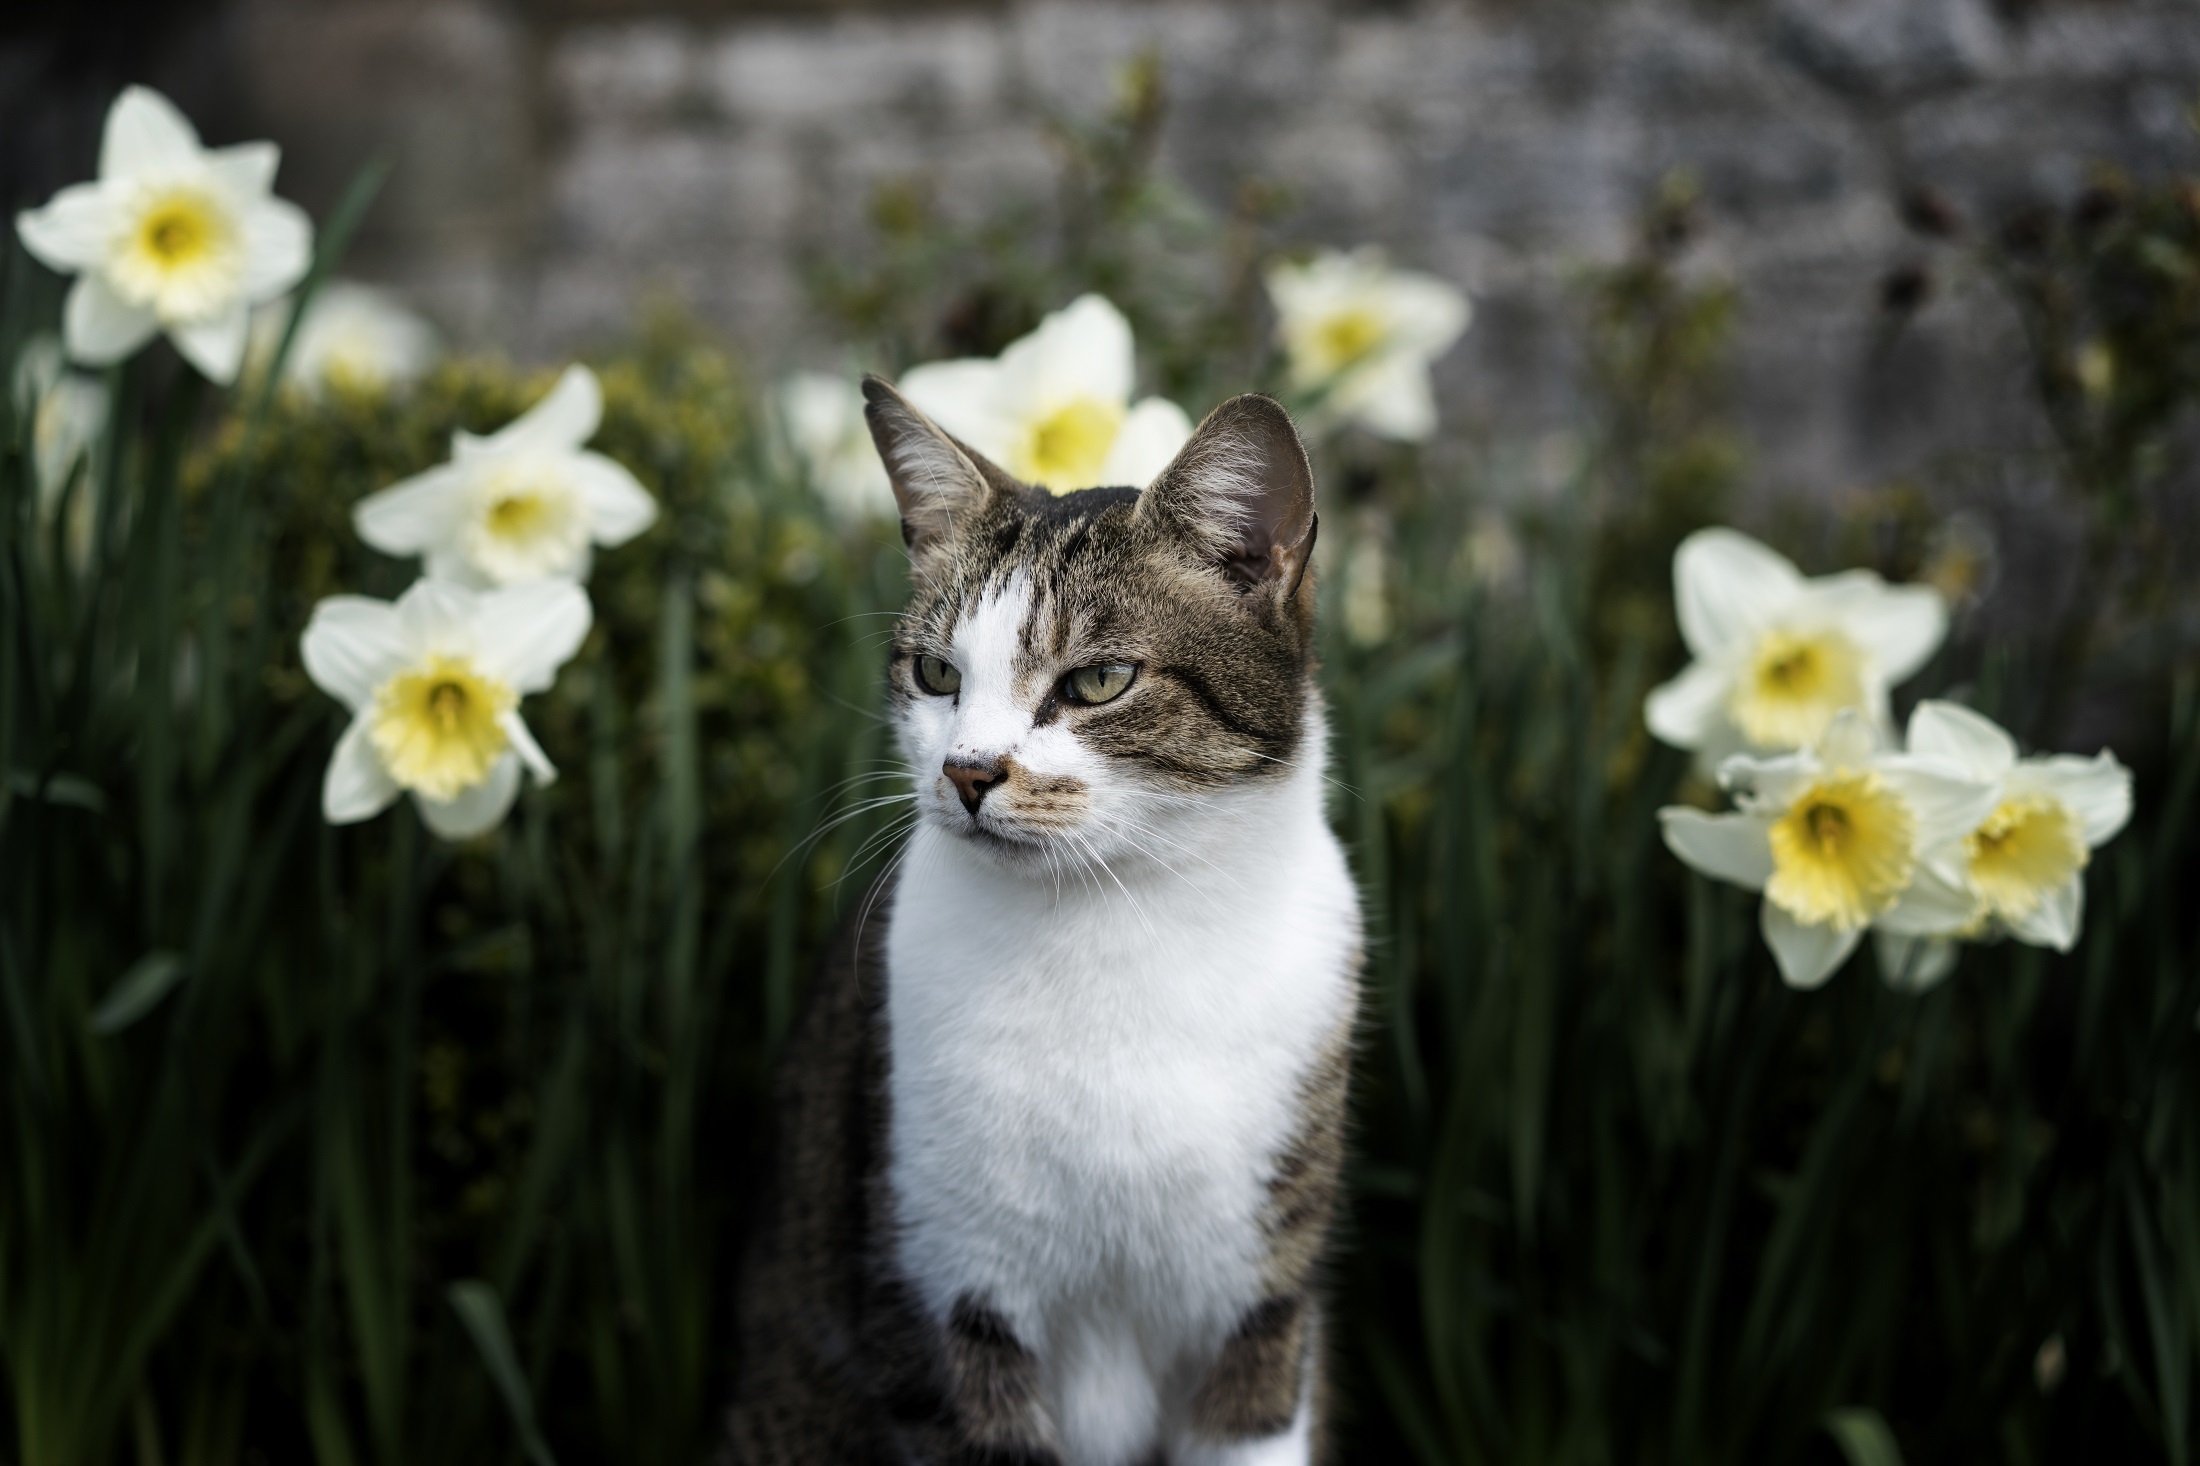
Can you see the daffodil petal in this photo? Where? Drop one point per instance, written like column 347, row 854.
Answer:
column 1954, row 732
column 474, row 811
column 529, row 751
column 1946, row 802
column 448, row 564
column 72, row 231
column 411, row 514
column 615, row 503
column 1390, row 397
column 1082, row 350
column 216, row 347
column 1914, row 964
column 566, row 417
column 100, row 326
column 1428, row 315
column 278, row 248
column 1151, row 435
column 248, row 168
column 1727, row 587
column 524, row 633
column 1930, row 905
column 436, row 615
column 1850, row 739
column 1768, row 785
column 1806, row 955
column 145, row 134
column 1685, row 711
column 351, row 646
column 961, row 397
column 356, row 786
column 1727, row 847
column 1900, row 626
column 2055, row 919
column 2097, row 790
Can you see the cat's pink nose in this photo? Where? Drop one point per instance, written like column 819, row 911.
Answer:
column 972, row 780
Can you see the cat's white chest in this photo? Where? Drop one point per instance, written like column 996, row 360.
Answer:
column 1089, row 1088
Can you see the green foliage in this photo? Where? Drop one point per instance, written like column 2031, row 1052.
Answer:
column 347, row 1146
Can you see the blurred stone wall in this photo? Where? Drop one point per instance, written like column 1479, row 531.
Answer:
column 558, row 164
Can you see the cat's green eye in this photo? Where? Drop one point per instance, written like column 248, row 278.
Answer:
column 938, row 677
column 1104, row 683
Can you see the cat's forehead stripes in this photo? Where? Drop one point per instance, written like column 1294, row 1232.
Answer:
column 1035, row 585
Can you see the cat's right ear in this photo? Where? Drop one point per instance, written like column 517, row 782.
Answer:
column 935, row 478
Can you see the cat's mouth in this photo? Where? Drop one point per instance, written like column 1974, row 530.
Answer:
column 1002, row 841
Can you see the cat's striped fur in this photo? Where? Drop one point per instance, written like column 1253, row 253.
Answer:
column 1061, row 1131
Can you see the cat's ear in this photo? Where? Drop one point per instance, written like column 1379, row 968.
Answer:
column 1241, row 492
column 935, row 478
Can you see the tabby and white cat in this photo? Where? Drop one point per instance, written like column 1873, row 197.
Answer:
column 1061, row 1131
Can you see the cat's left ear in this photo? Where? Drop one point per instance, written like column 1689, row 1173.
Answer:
column 935, row 478
column 1242, row 493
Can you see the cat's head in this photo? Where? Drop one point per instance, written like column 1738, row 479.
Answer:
column 1077, row 675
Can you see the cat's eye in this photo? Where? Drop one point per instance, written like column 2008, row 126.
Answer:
column 1104, row 683
column 938, row 677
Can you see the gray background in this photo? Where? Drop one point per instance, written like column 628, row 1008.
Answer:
column 558, row 165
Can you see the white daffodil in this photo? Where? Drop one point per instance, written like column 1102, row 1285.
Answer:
column 2024, row 861
column 67, row 412
column 1363, row 335
column 1778, row 656
column 522, row 504
column 173, row 237
column 353, row 337
column 821, row 418
column 1054, row 408
column 1835, row 837
column 434, row 682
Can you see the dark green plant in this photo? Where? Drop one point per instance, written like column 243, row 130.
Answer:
column 349, row 1146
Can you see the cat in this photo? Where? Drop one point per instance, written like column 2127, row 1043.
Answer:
column 1061, row 1129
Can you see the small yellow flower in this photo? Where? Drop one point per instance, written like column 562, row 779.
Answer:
column 1843, row 852
column 437, row 726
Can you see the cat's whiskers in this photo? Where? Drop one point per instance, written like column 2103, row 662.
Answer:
column 859, row 807
column 1094, row 855
column 1123, row 822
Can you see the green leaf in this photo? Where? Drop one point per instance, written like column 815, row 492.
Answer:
column 144, row 985
column 1863, row 1437
column 483, row 1315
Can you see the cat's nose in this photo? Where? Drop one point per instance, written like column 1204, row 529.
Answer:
column 972, row 780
